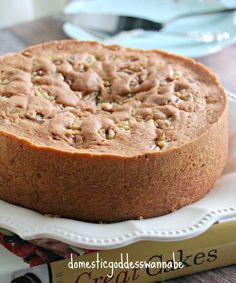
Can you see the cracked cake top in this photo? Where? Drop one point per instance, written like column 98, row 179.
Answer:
column 84, row 97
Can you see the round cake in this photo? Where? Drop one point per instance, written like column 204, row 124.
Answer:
column 104, row 133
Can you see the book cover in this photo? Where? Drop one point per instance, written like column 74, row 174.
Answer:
column 142, row 262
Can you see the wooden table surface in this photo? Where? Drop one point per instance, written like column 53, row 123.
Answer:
column 222, row 63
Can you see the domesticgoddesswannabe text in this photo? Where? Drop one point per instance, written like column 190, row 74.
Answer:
column 123, row 263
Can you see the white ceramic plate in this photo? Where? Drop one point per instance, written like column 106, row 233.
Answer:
column 161, row 11
column 184, row 223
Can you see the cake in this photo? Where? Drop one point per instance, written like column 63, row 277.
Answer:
column 104, row 133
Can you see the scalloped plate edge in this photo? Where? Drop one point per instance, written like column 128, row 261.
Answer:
column 95, row 242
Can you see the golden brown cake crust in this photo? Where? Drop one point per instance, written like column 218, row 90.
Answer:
column 105, row 133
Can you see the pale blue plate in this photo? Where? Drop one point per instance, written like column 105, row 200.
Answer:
column 161, row 10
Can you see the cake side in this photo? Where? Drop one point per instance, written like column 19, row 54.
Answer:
column 109, row 188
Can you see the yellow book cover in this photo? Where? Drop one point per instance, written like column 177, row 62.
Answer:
column 143, row 262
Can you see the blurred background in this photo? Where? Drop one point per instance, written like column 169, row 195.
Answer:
column 14, row 11
column 193, row 36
